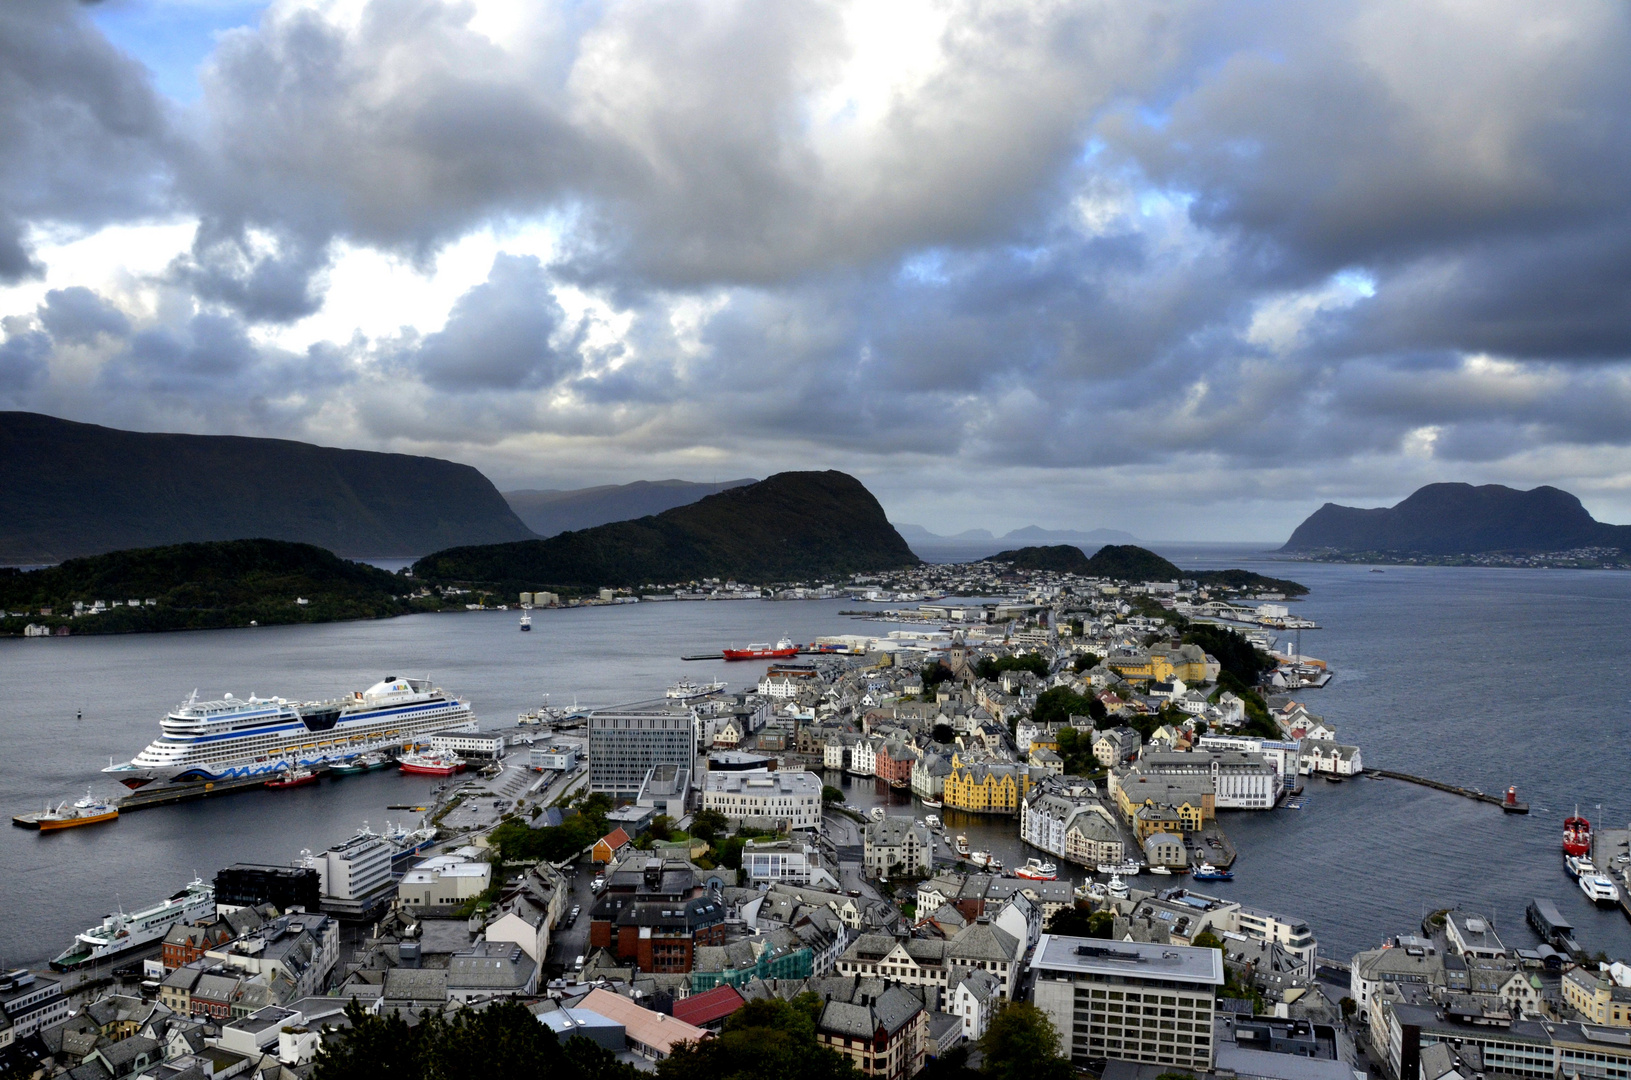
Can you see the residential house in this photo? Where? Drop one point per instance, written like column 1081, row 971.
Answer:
column 897, row 845
column 883, row 1030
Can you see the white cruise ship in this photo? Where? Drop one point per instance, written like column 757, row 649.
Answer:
column 121, row 931
column 246, row 737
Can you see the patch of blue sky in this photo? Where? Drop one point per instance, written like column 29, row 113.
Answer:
column 172, row 38
column 1361, row 283
column 926, row 268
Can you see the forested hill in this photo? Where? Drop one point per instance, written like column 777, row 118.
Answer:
column 202, row 586
column 1460, row 519
column 1059, row 558
column 70, row 489
column 1126, row 562
column 792, row 526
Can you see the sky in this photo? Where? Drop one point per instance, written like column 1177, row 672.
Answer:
column 1185, row 268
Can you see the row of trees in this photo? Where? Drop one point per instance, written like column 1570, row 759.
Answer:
column 765, row 1038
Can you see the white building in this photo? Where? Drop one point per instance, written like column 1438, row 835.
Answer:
column 863, row 757
column 1325, row 756
column 1090, row 989
column 793, row 798
column 355, row 870
column 770, row 861
column 780, row 687
column 834, row 753
column 443, row 881
column 468, row 744
column 553, row 758
column 973, row 1000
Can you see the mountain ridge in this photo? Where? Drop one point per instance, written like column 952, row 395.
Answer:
column 69, row 489
column 549, row 512
column 790, row 526
column 1450, row 519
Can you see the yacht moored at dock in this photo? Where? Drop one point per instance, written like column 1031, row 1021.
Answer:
column 1599, row 888
column 120, row 932
column 240, row 738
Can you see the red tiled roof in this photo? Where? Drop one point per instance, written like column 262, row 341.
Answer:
column 616, row 838
column 711, row 1005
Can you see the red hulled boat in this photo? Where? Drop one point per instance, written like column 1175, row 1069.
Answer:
column 782, row 650
column 1576, row 835
column 293, row 778
column 432, row 764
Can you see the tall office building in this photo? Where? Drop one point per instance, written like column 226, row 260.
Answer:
column 625, row 742
column 1129, row 1000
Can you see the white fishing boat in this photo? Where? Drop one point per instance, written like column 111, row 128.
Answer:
column 932, row 821
column 961, row 845
column 1117, row 889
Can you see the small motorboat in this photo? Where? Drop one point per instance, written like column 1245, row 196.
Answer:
column 1090, row 890
column 932, row 804
column 1162, row 870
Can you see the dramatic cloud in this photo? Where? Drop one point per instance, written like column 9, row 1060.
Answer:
column 1082, row 263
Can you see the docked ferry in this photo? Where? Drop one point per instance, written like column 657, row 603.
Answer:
column 122, row 931
column 248, row 737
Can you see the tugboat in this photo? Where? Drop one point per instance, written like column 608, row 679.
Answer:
column 1037, row 870
column 1576, row 835
column 1207, row 872
column 293, row 778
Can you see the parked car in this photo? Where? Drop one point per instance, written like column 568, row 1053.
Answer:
column 577, row 909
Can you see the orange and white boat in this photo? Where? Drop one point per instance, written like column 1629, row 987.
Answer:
column 90, row 810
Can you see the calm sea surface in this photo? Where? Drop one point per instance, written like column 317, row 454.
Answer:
column 1483, row 678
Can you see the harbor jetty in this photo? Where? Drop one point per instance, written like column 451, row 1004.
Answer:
column 1508, row 803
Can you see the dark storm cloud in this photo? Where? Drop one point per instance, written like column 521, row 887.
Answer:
column 82, row 135
column 1234, row 240
column 76, row 316
column 498, row 334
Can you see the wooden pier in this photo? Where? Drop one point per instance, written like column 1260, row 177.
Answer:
column 1453, row 789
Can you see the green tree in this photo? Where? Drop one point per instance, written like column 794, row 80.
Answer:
column 661, row 828
column 952, row 1065
column 765, row 1038
column 708, row 824
column 990, row 667
column 1060, row 704
column 1233, row 652
column 1082, row 922
column 830, row 794
column 1085, row 662
column 1021, row 1043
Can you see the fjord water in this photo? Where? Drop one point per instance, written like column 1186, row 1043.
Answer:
column 1478, row 677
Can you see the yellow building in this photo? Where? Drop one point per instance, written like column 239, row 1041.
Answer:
column 1156, row 803
column 985, row 788
column 1599, row 1000
column 1163, row 663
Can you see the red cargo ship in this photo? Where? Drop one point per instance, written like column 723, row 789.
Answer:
column 1576, row 835
column 783, row 649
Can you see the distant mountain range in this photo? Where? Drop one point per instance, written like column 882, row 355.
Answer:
column 792, row 526
column 1460, row 519
column 70, row 489
column 1029, row 536
column 550, row 511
